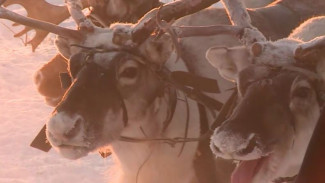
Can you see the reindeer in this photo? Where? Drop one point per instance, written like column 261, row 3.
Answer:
column 126, row 117
column 280, row 89
column 130, row 102
column 47, row 78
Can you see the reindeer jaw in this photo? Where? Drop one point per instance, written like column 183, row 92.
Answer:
column 73, row 152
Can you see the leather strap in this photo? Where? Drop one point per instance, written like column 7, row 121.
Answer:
column 200, row 83
column 204, row 163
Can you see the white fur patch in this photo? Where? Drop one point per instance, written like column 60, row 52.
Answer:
column 52, row 101
column 229, row 144
column 60, row 125
column 278, row 53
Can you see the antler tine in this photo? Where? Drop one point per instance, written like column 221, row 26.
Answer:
column 40, row 10
column 2, row 1
column 191, row 31
column 64, row 32
column 170, row 11
column 75, row 10
column 239, row 17
column 306, row 49
column 237, row 13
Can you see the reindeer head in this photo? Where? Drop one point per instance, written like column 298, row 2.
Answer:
column 110, row 91
column 270, row 128
column 278, row 105
column 229, row 61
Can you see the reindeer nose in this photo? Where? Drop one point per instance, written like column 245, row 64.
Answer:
column 65, row 129
column 229, row 144
column 38, row 77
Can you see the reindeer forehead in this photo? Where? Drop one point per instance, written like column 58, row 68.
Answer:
column 117, row 35
column 278, row 75
column 105, row 59
column 277, row 53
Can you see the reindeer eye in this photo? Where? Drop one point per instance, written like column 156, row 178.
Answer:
column 302, row 92
column 130, row 73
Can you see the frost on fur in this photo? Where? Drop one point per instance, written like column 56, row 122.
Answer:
column 274, row 53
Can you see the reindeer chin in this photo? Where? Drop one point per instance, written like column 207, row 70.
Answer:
column 51, row 101
column 73, row 152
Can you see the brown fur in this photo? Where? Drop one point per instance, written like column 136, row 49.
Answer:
column 47, row 79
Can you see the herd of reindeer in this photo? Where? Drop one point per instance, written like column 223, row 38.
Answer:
column 182, row 92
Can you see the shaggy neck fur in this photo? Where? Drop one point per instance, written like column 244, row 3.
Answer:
column 304, row 130
column 155, row 161
column 159, row 162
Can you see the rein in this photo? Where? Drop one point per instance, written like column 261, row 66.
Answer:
column 224, row 113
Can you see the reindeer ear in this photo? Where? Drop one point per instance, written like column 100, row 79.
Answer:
column 256, row 49
column 157, row 50
column 63, row 46
column 229, row 61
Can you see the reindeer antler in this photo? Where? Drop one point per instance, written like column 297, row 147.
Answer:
column 191, row 31
column 2, row 1
column 40, row 10
column 241, row 23
column 239, row 17
column 64, row 32
column 145, row 27
column 140, row 31
column 168, row 12
column 242, row 26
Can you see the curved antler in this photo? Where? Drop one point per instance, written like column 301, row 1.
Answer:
column 242, row 26
column 191, row 31
column 239, row 16
column 64, row 32
column 40, row 10
column 168, row 12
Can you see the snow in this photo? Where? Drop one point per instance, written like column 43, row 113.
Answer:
column 23, row 113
